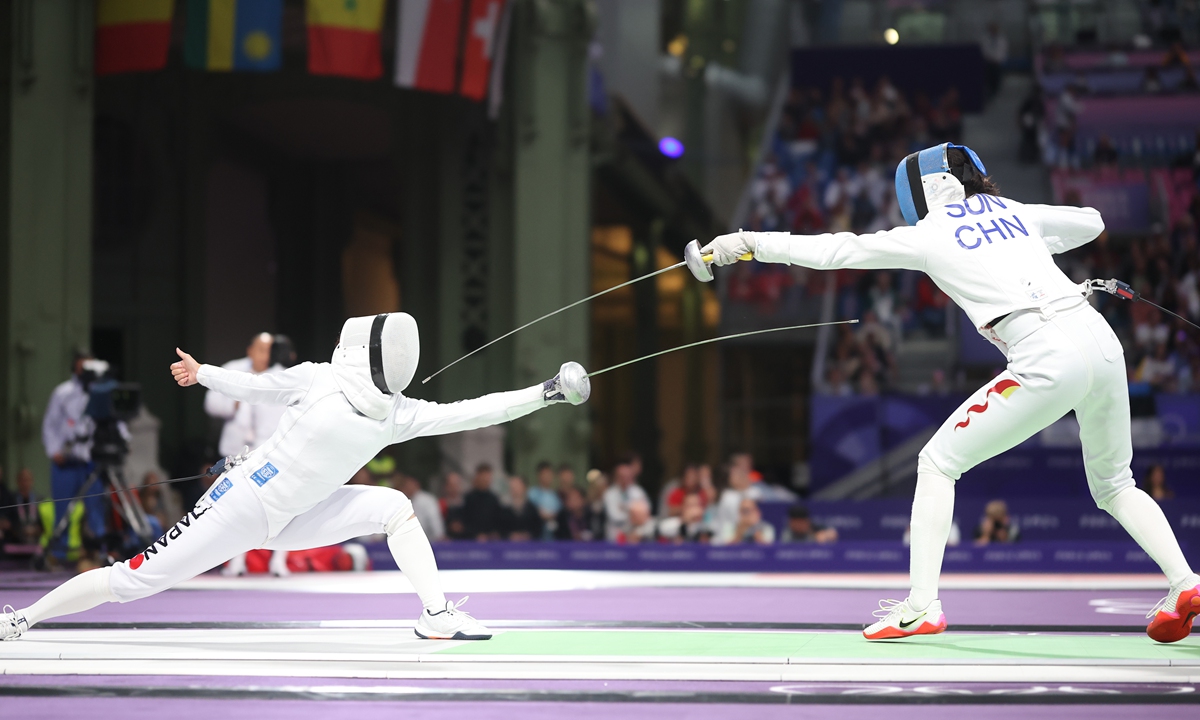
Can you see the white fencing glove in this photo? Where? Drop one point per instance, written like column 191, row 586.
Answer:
column 571, row 384
column 728, row 249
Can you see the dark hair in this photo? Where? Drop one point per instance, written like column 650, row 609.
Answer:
column 963, row 169
column 544, row 465
column 797, row 512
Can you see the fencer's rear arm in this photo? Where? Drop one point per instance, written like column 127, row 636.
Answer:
column 1066, row 228
column 273, row 388
column 421, row 418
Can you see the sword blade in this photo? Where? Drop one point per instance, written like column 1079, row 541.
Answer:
column 719, row 339
column 551, row 314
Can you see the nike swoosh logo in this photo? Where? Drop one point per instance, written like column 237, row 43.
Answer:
column 910, row 623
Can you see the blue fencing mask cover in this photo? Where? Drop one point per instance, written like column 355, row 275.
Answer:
column 910, row 192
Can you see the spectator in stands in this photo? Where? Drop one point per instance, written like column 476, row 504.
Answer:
column 689, row 526
column 994, row 47
column 801, row 528
column 618, row 497
column 689, row 484
column 1106, row 153
column 1155, row 484
column 1151, row 82
column 426, row 507
column 996, row 526
column 150, row 497
column 597, row 488
column 544, row 497
column 522, row 519
column 1178, row 57
column 574, row 520
column 641, row 526
column 750, row 528
column 452, row 506
column 566, row 480
column 1158, row 369
column 482, row 514
column 1029, row 120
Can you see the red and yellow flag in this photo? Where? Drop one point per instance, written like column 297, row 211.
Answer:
column 132, row 35
column 343, row 37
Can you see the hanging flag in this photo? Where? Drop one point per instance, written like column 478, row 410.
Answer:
column 343, row 37
column 234, row 35
column 479, row 47
column 132, row 35
column 428, row 33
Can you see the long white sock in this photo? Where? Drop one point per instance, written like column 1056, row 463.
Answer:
column 932, row 515
column 82, row 592
column 1144, row 520
column 413, row 555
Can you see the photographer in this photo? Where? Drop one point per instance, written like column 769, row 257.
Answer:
column 67, row 433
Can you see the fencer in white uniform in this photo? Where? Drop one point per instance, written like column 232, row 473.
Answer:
column 291, row 492
column 994, row 257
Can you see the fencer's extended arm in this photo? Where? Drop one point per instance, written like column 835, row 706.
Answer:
column 421, row 418
column 897, row 248
column 273, row 388
column 1066, row 228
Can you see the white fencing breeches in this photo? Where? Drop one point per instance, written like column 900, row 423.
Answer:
column 1073, row 362
column 217, row 530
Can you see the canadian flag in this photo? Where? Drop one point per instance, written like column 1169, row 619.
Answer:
column 479, row 47
column 431, row 35
column 427, row 58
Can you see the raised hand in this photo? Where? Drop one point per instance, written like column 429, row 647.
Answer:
column 185, row 370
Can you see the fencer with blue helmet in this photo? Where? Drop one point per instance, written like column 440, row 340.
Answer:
column 291, row 493
column 994, row 257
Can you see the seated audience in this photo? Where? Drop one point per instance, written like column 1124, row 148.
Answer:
column 544, row 496
column 1155, row 484
column 522, row 520
column 689, row 525
column 996, row 526
column 482, row 515
column 640, row 526
column 750, row 527
column 802, row 529
column 574, row 521
column 425, row 506
column 451, row 504
column 620, row 496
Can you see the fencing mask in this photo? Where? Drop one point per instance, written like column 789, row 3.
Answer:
column 913, row 192
column 387, row 345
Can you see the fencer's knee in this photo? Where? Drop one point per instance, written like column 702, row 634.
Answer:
column 402, row 518
column 928, row 465
column 1106, row 495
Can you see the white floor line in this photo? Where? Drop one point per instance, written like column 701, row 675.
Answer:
column 499, row 581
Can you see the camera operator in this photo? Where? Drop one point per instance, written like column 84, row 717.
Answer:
column 67, row 436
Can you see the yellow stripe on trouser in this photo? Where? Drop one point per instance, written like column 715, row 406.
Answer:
column 125, row 12
column 222, row 15
column 74, row 527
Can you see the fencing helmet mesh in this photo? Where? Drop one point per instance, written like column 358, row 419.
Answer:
column 392, row 344
column 910, row 191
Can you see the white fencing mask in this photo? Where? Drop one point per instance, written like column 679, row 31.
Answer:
column 386, row 345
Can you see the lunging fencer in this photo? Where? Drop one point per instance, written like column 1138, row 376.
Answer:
column 290, row 493
column 994, row 257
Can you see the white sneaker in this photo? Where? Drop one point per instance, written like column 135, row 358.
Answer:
column 12, row 624
column 450, row 624
column 898, row 619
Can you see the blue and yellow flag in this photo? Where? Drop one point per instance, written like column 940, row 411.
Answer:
column 224, row 35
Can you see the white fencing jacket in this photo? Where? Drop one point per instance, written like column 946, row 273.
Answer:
column 245, row 425
column 323, row 439
column 991, row 255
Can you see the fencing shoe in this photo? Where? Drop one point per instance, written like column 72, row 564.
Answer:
column 450, row 624
column 898, row 620
column 1171, row 618
column 12, row 624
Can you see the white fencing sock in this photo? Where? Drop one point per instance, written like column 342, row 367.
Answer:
column 82, row 592
column 932, row 515
column 1144, row 520
column 410, row 548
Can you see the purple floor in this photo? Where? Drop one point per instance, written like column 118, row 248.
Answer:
column 158, row 708
column 764, row 605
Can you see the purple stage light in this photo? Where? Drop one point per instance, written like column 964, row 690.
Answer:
column 670, row 147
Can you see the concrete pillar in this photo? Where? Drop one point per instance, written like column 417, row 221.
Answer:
column 551, row 201
column 45, row 213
